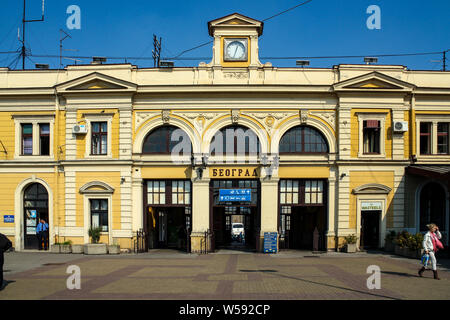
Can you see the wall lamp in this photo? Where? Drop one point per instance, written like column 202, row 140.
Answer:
column 199, row 168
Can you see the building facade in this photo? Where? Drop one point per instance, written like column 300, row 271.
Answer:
column 353, row 149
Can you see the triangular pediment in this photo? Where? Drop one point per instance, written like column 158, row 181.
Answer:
column 96, row 82
column 235, row 20
column 373, row 81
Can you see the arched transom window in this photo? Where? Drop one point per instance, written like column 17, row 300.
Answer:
column 303, row 139
column 165, row 140
column 235, row 140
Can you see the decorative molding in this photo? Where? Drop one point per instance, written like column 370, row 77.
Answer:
column 141, row 117
column 304, row 113
column 235, row 75
column 327, row 116
column 269, row 120
column 105, row 188
column 235, row 116
column 372, row 188
column 165, row 115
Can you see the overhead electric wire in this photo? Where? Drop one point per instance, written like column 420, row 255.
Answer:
column 271, row 17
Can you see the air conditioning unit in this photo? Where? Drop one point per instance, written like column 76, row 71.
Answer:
column 400, row 126
column 79, row 129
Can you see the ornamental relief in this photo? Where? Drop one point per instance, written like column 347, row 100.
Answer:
column 141, row 117
column 269, row 120
column 200, row 120
column 327, row 116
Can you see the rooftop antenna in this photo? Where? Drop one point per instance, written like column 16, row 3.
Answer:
column 156, row 51
column 23, row 53
column 64, row 36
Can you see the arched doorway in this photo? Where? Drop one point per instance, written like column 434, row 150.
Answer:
column 432, row 206
column 35, row 207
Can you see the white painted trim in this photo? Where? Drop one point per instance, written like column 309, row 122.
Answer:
column 145, row 129
column 312, row 122
column 98, row 118
column 35, row 121
column 382, row 226
column 87, row 214
column 372, row 116
column 18, row 210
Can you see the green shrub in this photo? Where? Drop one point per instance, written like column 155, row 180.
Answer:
column 67, row 243
column 351, row 239
column 390, row 237
column 94, row 233
column 406, row 240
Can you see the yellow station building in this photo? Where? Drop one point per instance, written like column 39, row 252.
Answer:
column 353, row 149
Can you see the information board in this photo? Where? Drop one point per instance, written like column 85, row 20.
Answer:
column 235, row 195
column 8, row 219
column 270, row 242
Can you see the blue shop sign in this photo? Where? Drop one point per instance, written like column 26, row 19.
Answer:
column 8, row 219
column 235, row 195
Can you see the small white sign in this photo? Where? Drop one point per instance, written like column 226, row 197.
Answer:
column 371, row 206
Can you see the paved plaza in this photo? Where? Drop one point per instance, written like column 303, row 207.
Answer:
column 163, row 274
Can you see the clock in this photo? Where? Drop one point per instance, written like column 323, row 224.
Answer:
column 235, row 50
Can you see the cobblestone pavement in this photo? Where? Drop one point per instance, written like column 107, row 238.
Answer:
column 166, row 275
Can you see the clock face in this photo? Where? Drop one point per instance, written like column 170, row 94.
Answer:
column 236, row 50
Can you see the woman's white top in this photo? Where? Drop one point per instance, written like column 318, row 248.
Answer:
column 427, row 242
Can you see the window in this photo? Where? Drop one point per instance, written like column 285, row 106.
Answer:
column 181, row 192
column 303, row 139
column 235, row 140
column 371, row 136
column 44, row 139
column 301, row 192
column 27, row 139
column 156, row 192
column 163, row 140
column 169, row 192
column 442, row 138
column 425, row 137
column 99, row 213
column 99, row 138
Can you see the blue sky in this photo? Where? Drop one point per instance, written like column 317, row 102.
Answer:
column 320, row 28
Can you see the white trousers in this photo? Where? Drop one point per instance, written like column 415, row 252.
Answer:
column 433, row 260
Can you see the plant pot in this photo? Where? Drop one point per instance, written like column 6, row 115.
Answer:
column 65, row 248
column 398, row 250
column 350, row 247
column 416, row 254
column 55, row 248
column 389, row 246
column 77, row 248
column 95, row 248
column 113, row 249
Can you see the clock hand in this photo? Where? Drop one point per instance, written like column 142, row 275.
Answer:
column 234, row 55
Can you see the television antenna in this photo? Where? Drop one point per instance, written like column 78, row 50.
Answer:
column 24, row 52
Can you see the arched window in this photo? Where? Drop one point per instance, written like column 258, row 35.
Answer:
column 432, row 206
column 303, row 139
column 35, row 207
column 236, row 140
column 164, row 139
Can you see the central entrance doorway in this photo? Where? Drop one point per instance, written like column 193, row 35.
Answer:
column 235, row 219
column 168, row 215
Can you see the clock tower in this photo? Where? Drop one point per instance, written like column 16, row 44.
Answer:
column 235, row 41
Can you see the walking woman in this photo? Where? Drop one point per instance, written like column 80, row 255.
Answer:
column 431, row 245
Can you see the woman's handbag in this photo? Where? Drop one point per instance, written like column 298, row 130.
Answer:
column 425, row 259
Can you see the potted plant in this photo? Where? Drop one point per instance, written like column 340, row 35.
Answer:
column 55, row 248
column 400, row 243
column 113, row 249
column 414, row 245
column 350, row 243
column 66, row 247
column 389, row 244
column 95, row 247
column 77, row 248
